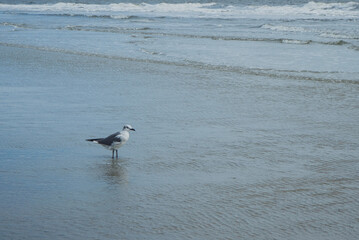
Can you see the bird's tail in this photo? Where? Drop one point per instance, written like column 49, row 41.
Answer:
column 94, row 140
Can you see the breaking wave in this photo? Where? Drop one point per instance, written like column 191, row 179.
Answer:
column 311, row 10
column 320, row 32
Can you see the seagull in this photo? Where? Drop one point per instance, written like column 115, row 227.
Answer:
column 114, row 141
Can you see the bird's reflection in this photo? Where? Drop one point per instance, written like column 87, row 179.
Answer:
column 114, row 171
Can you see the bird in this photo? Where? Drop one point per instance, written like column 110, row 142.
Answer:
column 114, row 141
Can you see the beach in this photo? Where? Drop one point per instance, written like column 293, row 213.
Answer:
column 246, row 125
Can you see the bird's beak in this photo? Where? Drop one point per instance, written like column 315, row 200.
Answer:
column 133, row 129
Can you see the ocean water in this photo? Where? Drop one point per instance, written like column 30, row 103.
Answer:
column 246, row 117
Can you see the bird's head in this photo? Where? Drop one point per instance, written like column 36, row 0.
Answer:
column 128, row 128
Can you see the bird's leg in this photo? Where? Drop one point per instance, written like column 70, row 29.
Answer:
column 113, row 153
column 116, row 153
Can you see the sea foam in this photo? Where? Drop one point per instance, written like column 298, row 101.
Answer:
column 196, row 10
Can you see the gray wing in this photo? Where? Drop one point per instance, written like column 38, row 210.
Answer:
column 110, row 139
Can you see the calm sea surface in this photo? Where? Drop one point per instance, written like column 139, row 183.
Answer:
column 246, row 118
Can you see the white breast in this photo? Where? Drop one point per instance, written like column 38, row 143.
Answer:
column 124, row 136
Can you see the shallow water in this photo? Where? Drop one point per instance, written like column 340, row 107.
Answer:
column 252, row 148
column 250, row 157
